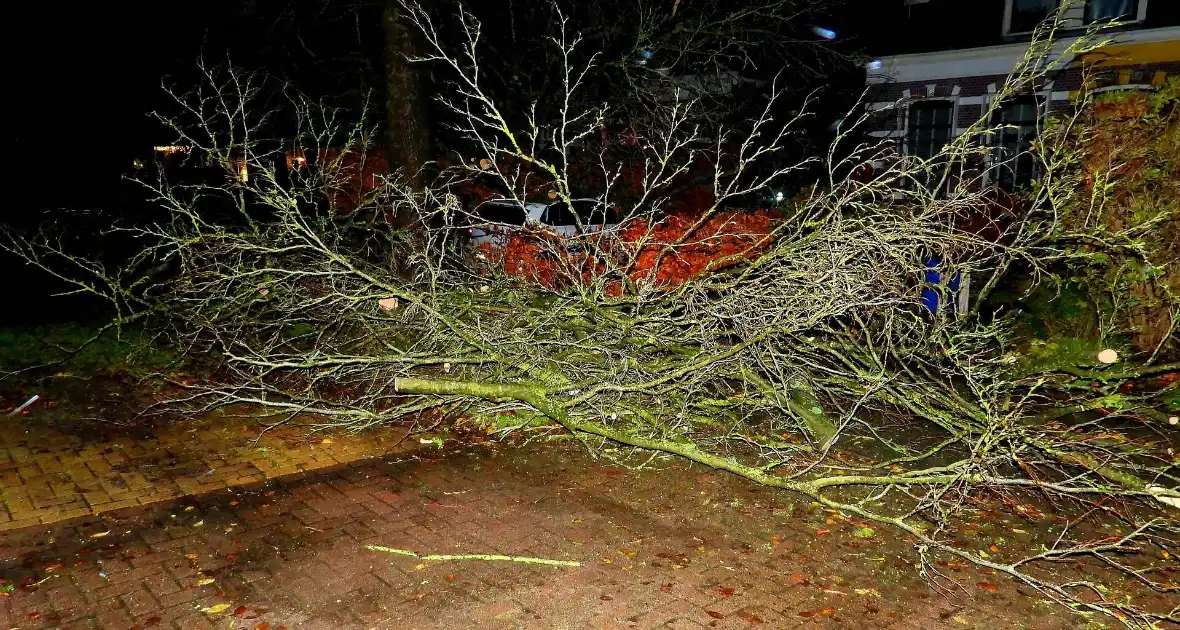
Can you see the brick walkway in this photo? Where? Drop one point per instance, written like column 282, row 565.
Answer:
column 678, row 548
column 51, row 471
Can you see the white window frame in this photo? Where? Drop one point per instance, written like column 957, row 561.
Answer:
column 1044, row 101
column 904, row 122
column 1074, row 16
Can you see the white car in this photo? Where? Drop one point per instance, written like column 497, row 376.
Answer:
column 501, row 217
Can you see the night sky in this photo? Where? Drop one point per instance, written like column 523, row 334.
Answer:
column 83, row 78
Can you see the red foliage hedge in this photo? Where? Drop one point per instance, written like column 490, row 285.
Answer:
column 665, row 253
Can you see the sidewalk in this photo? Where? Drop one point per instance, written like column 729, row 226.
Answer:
column 50, row 474
column 676, row 548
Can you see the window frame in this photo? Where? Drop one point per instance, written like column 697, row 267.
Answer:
column 997, row 141
column 908, row 131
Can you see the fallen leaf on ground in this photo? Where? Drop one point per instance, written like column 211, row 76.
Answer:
column 749, row 617
column 725, row 591
column 205, row 581
column 872, row 592
column 714, row 614
column 822, row 532
column 100, row 534
column 676, row 558
column 823, row 612
column 799, row 580
column 864, row 532
column 240, row 610
column 215, row 609
column 987, row 586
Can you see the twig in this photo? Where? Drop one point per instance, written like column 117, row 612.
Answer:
column 475, row 556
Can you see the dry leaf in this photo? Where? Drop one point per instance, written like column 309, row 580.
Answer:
column 388, row 304
column 213, row 610
column 100, row 534
column 750, row 617
column 204, row 581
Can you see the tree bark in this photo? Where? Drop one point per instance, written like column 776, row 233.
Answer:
column 407, row 132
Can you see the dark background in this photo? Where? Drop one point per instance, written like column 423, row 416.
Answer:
column 82, row 79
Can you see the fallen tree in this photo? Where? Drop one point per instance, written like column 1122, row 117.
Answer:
column 810, row 340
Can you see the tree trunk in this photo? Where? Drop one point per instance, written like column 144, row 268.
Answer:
column 407, row 134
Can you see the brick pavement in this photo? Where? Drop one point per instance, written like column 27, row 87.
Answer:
column 678, row 548
column 50, row 471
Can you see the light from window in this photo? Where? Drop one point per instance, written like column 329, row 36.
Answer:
column 929, row 128
column 1027, row 14
column 1103, row 10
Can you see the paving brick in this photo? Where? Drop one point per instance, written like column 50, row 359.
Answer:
column 295, row 549
column 114, row 619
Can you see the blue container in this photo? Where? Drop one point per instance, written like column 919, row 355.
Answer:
column 933, row 277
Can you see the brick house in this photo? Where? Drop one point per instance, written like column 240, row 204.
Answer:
column 942, row 61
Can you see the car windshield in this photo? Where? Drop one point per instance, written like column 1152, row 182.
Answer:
column 506, row 213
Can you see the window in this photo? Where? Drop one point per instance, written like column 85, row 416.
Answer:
column 1016, row 166
column 929, row 127
column 504, row 212
column 1027, row 14
column 589, row 212
column 558, row 214
column 1103, row 10
column 1022, row 16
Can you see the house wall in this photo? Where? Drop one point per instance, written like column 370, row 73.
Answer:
column 972, row 94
